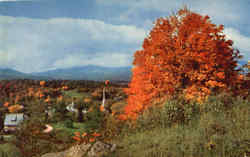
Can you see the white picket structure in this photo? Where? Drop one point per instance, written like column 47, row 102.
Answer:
column 103, row 99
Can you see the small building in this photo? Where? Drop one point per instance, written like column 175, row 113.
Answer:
column 12, row 121
column 71, row 108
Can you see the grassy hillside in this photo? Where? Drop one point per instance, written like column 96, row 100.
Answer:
column 221, row 127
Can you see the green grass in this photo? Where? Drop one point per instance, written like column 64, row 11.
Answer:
column 8, row 138
column 74, row 93
column 222, row 129
column 77, row 127
column 9, row 150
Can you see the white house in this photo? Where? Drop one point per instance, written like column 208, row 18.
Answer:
column 71, row 108
column 12, row 121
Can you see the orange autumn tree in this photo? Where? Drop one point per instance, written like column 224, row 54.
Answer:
column 183, row 54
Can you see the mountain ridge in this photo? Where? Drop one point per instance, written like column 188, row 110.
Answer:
column 89, row 72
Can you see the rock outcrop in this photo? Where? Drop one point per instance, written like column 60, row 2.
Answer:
column 98, row 149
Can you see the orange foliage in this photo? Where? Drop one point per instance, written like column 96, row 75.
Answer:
column 47, row 100
column 183, row 54
column 84, row 134
column 96, row 134
column 92, row 140
column 90, row 109
column 42, row 83
column 15, row 108
column 41, row 95
column 6, row 104
column 60, row 98
column 85, row 137
column 30, row 92
column 220, row 75
column 87, row 100
column 77, row 133
column 76, row 138
column 102, row 109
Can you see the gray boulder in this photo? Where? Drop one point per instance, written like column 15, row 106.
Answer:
column 97, row 149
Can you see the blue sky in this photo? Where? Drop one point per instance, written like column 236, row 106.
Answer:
column 40, row 35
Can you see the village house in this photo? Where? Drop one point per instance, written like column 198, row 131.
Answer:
column 71, row 108
column 12, row 121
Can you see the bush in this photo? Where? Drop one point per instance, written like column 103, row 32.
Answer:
column 68, row 123
column 94, row 118
column 60, row 112
column 175, row 111
column 63, row 136
column 32, row 141
column 221, row 102
column 9, row 150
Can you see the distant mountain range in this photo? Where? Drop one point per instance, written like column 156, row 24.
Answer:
column 89, row 72
column 242, row 62
column 9, row 74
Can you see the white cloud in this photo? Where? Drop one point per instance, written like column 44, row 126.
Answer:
column 220, row 11
column 41, row 44
column 240, row 41
column 227, row 12
column 112, row 59
column 3, row 58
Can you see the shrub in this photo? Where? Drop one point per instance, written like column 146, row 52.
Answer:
column 94, row 118
column 32, row 141
column 68, row 123
column 174, row 111
column 9, row 150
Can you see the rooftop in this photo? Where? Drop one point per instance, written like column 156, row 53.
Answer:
column 13, row 119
